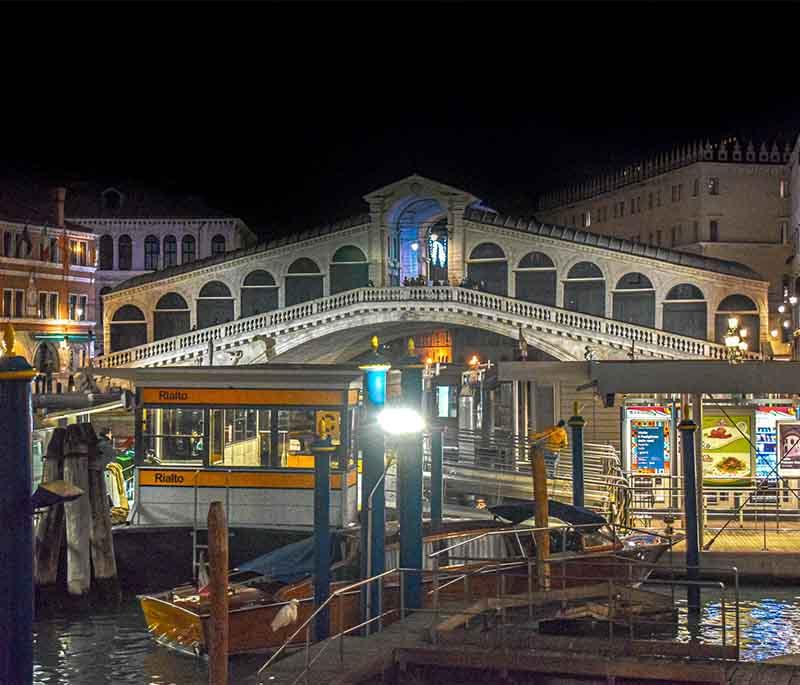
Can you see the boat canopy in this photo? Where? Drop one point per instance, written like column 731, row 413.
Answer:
column 576, row 516
column 292, row 562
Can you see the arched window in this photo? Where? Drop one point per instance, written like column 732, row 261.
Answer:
column 188, row 249
column 8, row 250
column 45, row 359
column 128, row 328
column 745, row 310
column 585, row 289
column 170, row 251
column 349, row 269
column 106, row 252
column 303, row 282
column 259, row 293
column 487, row 267
column 218, row 245
column 635, row 300
column 151, row 253
column 536, row 279
column 686, row 311
column 214, row 304
column 171, row 316
column 112, row 199
column 124, row 253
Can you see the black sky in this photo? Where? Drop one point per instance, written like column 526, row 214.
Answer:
column 286, row 114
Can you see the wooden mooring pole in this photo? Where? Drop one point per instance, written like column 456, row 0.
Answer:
column 50, row 528
column 542, row 516
column 78, row 513
column 218, row 586
column 101, row 540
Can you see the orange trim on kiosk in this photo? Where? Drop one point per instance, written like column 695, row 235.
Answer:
column 236, row 479
column 216, row 397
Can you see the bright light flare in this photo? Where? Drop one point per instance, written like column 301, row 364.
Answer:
column 400, row 421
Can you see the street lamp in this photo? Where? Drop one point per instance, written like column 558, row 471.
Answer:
column 735, row 341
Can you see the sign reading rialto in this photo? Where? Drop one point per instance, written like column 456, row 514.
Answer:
column 727, row 454
column 649, row 439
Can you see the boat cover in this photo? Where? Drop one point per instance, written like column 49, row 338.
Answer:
column 576, row 516
column 292, row 562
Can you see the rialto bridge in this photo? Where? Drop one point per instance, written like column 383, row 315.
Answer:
column 319, row 295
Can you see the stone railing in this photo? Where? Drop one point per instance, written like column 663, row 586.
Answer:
column 518, row 311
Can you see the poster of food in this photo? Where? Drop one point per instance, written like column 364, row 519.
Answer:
column 789, row 448
column 767, row 419
column 649, row 439
column 726, row 449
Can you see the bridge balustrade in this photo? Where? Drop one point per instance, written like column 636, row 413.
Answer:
column 477, row 302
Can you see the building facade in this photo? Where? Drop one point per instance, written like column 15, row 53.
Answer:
column 730, row 201
column 140, row 230
column 47, row 273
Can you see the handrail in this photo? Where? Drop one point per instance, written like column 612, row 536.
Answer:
column 555, row 316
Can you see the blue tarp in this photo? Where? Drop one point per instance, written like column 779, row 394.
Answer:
column 292, row 562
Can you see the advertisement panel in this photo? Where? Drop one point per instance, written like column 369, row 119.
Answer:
column 649, row 440
column 767, row 419
column 727, row 454
column 789, row 449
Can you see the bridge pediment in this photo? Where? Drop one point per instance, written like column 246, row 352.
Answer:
column 416, row 186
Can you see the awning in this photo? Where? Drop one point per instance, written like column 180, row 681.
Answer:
column 576, row 516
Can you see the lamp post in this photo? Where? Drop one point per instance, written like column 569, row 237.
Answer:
column 735, row 341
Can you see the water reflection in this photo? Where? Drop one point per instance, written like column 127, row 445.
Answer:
column 113, row 648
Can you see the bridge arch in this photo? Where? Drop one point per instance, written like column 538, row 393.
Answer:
column 746, row 311
column 585, row 289
column 214, row 304
column 488, row 264
column 303, row 281
column 172, row 316
column 535, row 279
column 634, row 300
column 259, row 293
column 409, row 221
column 349, row 269
column 686, row 311
column 128, row 328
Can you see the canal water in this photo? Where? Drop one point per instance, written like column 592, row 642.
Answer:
column 113, row 647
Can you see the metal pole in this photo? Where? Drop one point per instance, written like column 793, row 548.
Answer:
column 322, row 533
column 576, row 423
column 437, row 490
column 697, row 417
column 16, row 532
column 687, row 428
column 409, row 481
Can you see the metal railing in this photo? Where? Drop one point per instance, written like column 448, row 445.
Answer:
column 504, row 604
column 517, row 311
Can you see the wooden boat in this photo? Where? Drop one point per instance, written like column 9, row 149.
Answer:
column 179, row 618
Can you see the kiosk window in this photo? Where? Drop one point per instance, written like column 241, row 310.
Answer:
column 235, row 437
column 296, row 432
column 173, row 436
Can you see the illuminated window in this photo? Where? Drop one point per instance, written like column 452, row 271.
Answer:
column 77, row 252
column 713, row 186
column 77, row 307
column 784, row 188
column 48, row 305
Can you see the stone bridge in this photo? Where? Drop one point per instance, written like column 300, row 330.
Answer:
column 319, row 295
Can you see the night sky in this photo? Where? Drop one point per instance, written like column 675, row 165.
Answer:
column 286, row 114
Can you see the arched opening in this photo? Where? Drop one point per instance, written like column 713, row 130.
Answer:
column 413, row 221
column 437, row 241
column 171, row 316
column 188, row 249
column 218, row 245
column 686, row 311
column 170, row 251
column 128, row 328
column 45, row 359
column 303, row 282
column 106, row 256
column 112, row 199
column 151, row 253
column 585, row 289
column 124, row 253
column 535, row 279
column 487, row 267
column 635, row 300
column 746, row 311
column 349, row 269
column 259, row 293
column 214, row 304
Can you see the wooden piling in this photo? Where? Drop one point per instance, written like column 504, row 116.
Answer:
column 101, row 541
column 78, row 513
column 541, row 516
column 50, row 528
column 218, row 595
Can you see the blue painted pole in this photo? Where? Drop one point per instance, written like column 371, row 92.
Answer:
column 687, row 427
column 576, row 423
column 437, row 484
column 16, row 531
column 322, row 451
column 409, row 480
column 373, row 533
